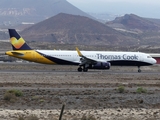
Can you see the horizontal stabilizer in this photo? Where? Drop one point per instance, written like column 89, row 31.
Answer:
column 17, row 53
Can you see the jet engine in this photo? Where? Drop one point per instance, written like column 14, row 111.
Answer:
column 100, row 65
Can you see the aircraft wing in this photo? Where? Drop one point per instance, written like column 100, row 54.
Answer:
column 87, row 60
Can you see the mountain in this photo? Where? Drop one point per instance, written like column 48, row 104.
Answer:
column 145, row 30
column 131, row 22
column 75, row 29
column 15, row 12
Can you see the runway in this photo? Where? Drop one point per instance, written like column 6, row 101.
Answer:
column 46, row 87
column 111, row 72
column 35, row 67
column 56, row 74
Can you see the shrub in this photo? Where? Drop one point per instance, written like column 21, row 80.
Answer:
column 121, row 89
column 41, row 100
column 90, row 117
column 141, row 90
column 35, row 98
column 17, row 93
column 9, row 97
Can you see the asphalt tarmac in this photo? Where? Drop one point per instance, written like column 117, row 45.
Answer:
column 31, row 67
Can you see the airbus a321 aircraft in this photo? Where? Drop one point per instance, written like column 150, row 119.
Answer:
column 84, row 59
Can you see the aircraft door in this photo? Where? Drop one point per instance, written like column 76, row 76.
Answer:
column 73, row 57
column 141, row 58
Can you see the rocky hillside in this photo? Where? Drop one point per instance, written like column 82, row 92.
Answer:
column 74, row 29
column 129, row 30
column 132, row 22
column 146, row 31
column 13, row 12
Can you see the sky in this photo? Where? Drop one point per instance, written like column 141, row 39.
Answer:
column 143, row 8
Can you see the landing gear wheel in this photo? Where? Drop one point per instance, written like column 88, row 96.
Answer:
column 79, row 69
column 139, row 70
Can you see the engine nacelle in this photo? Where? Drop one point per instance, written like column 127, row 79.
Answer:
column 100, row 65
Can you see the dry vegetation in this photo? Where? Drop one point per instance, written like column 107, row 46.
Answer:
column 116, row 94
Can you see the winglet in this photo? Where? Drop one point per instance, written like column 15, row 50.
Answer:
column 78, row 51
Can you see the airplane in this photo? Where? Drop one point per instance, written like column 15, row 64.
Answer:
column 84, row 59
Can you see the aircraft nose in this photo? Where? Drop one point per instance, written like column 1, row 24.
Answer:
column 154, row 61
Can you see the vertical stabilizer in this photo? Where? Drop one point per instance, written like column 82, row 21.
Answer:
column 18, row 43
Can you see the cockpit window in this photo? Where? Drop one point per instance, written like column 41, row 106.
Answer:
column 149, row 57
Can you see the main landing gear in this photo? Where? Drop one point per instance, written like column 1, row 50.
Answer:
column 84, row 69
column 139, row 70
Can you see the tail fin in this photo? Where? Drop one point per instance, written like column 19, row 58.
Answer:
column 17, row 41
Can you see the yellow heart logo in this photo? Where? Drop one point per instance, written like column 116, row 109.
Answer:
column 17, row 43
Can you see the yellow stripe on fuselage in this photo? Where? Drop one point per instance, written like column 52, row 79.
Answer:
column 29, row 55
